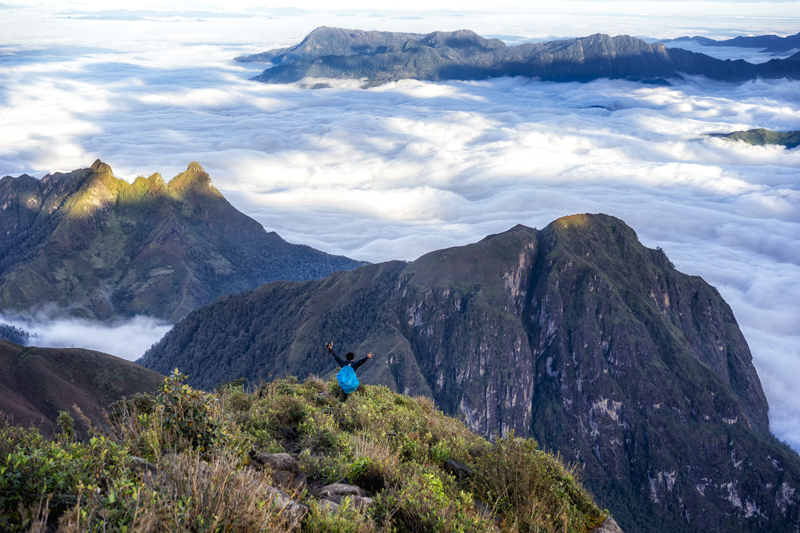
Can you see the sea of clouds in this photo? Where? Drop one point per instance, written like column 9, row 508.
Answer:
column 399, row 170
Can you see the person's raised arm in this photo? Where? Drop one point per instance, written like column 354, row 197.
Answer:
column 362, row 361
column 329, row 347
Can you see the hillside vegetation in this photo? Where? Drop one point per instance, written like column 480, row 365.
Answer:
column 186, row 460
column 14, row 334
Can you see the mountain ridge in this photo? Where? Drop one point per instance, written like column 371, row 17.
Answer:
column 381, row 57
column 763, row 137
column 770, row 43
column 91, row 245
column 38, row 383
column 575, row 334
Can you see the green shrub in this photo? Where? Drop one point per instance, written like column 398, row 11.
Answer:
column 420, row 501
column 189, row 416
column 532, row 490
column 327, row 469
column 34, row 469
column 368, row 474
column 346, row 519
column 67, row 426
column 320, row 432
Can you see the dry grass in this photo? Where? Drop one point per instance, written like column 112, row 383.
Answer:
column 37, row 517
column 347, row 519
column 375, row 463
column 316, row 382
column 364, row 446
column 189, row 494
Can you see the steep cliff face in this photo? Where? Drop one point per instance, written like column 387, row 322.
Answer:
column 575, row 334
column 89, row 244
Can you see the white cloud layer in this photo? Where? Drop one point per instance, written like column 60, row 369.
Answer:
column 128, row 339
column 405, row 168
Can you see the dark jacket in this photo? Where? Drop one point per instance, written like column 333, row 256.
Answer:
column 343, row 363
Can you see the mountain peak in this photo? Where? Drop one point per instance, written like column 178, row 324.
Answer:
column 574, row 221
column 459, row 39
column 99, row 166
column 156, row 180
column 193, row 179
column 194, row 166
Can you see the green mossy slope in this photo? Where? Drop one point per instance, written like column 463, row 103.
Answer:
column 201, row 475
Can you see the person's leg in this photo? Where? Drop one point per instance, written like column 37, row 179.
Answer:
column 342, row 395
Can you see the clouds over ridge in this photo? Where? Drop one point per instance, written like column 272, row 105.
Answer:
column 405, row 168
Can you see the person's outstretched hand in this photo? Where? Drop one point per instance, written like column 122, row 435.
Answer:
column 369, row 355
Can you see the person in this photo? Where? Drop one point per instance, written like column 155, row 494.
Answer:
column 349, row 362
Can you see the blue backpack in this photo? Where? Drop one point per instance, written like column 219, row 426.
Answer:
column 347, row 379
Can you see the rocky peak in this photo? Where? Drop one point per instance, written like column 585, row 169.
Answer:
column 99, row 166
column 194, row 180
column 155, row 181
column 458, row 39
column 94, row 246
column 194, row 166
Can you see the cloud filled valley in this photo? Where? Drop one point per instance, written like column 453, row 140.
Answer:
column 396, row 171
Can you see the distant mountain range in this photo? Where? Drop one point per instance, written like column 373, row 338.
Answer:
column 38, row 383
column 88, row 244
column 380, row 57
column 576, row 335
column 761, row 137
column 770, row 43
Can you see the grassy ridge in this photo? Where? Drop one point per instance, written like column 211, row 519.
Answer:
column 762, row 137
column 200, row 476
column 37, row 383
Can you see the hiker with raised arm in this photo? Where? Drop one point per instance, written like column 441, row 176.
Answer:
column 348, row 382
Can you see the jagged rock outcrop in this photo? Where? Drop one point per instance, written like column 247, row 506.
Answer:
column 91, row 245
column 576, row 335
column 463, row 55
